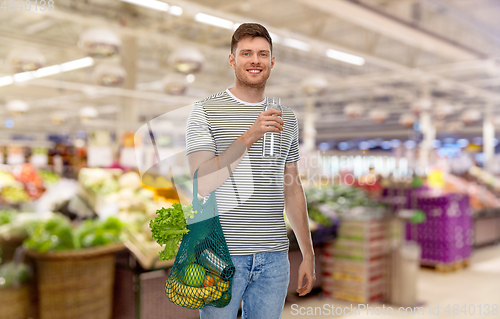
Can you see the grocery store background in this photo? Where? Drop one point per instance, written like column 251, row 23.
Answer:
column 398, row 107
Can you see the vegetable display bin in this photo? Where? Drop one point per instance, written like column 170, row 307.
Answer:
column 76, row 284
column 15, row 302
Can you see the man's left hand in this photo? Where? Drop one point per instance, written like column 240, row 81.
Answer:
column 306, row 270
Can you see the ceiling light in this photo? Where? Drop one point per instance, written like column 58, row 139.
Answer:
column 296, row 44
column 151, row 4
column 186, row 60
column 345, row 57
column 9, row 123
column 175, row 10
column 17, row 107
column 314, row 85
column 25, row 76
column 276, row 38
column 175, row 84
column 77, row 64
column 354, row 111
column 343, row 146
column 436, row 144
column 6, row 80
column 50, row 70
column 25, row 59
column 364, row 145
column 190, row 78
column 463, row 142
column 386, row 145
column 410, row 144
column 88, row 112
column 236, row 26
column 395, row 143
column 324, row 146
column 109, row 74
column 218, row 22
column 100, row 42
column 379, row 115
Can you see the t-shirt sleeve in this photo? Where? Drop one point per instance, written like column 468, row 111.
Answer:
column 198, row 131
column 293, row 152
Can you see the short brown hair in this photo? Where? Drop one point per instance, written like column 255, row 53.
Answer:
column 253, row 30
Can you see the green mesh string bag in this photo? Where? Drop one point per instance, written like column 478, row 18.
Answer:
column 203, row 271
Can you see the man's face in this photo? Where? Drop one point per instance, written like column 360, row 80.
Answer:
column 252, row 61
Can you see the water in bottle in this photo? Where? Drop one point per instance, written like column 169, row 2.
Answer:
column 271, row 145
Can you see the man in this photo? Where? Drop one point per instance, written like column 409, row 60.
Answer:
column 224, row 142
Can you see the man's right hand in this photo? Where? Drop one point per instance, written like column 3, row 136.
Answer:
column 267, row 121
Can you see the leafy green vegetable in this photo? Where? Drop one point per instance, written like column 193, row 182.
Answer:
column 13, row 274
column 6, row 216
column 57, row 234
column 22, row 225
column 97, row 233
column 169, row 226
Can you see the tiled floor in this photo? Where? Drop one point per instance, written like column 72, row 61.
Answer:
column 478, row 285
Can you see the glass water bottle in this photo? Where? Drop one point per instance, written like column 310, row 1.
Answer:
column 271, row 145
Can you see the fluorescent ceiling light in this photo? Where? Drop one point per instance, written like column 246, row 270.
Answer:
column 297, row 44
column 77, row 64
column 236, row 26
column 276, row 38
column 6, row 80
column 175, row 10
column 218, row 22
column 151, row 4
column 50, row 70
column 345, row 57
column 25, row 76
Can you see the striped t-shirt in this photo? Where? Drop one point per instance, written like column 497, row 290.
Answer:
column 251, row 200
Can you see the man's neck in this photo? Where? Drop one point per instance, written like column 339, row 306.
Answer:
column 248, row 94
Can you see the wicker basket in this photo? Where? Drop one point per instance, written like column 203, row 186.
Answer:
column 15, row 302
column 9, row 247
column 76, row 284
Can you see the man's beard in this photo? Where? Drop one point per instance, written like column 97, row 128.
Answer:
column 243, row 80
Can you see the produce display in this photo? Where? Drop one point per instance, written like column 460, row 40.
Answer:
column 134, row 202
column 6, row 179
column 13, row 274
column 480, row 196
column 98, row 180
column 28, row 175
column 483, row 177
column 21, row 224
column 49, row 177
column 58, row 234
column 23, row 183
column 335, row 202
column 6, row 216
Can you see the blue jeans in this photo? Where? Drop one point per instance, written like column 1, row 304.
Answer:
column 261, row 283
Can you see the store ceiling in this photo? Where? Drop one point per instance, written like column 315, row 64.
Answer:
column 450, row 47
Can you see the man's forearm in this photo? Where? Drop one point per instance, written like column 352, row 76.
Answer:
column 296, row 212
column 212, row 174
